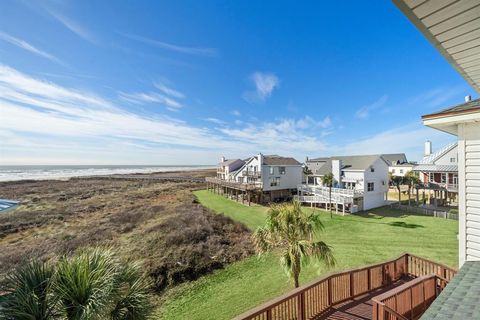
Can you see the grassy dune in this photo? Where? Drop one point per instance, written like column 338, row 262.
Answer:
column 357, row 240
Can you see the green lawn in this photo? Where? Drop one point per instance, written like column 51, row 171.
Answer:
column 357, row 240
column 251, row 216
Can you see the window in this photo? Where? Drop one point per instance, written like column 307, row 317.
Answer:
column 370, row 186
column 431, row 177
column 444, row 178
column 452, row 159
column 393, row 171
column 401, row 171
column 272, row 170
column 282, row 170
column 274, row 182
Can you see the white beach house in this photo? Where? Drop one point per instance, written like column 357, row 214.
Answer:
column 260, row 178
column 361, row 182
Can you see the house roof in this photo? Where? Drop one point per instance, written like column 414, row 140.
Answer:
column 436, row 168
column 464, row 108
column 228, row 162
column 459, row 300
column 437, row 155
column 275, row 160
column 360, row 162
column 451, row 26
column 393, row 158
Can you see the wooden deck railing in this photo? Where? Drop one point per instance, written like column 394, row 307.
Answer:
column 233, row 184
column 312, row 300
column 408, row 301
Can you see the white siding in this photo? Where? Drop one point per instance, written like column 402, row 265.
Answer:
column 290, row 180
column 446, row 158
column 469, row 154
column 376, row 198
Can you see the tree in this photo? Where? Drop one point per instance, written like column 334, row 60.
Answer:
column 294, row 232
column 327, row 181
column 397, row 181
column 411, row 179
column 93, row 284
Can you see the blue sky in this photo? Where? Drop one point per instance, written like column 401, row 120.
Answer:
column 184, row 82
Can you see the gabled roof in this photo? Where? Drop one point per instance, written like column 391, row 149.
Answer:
column 275, row 160
column 437, row 155
column 394, row 158
column 436, row 168
column 359, row 162
column 229, row 162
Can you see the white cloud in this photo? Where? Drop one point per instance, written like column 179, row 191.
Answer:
column 167, row 97
column 152, row 97
column 364, row 112
column 168, row 91
column 264, row 83
column 199, row 51
column 27, row 46
column 236, row 113
column 437, row 97
column 75, row 27
column 47, row 122
column 215, row 120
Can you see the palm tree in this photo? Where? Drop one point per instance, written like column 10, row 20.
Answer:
column 293, row 231
column 397, row 181
column 93, row 284
column 411, row 179
column 328, row 180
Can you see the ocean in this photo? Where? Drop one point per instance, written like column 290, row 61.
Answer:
column 15, row 173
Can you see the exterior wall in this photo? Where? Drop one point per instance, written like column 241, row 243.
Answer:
column 290, row 180
column 252, row 165
column 395, row 170
column 446, row 158
column 469, row 192
column 377, row 197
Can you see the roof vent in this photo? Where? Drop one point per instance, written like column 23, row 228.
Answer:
column 468, row 98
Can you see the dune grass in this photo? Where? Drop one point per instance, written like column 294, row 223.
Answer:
column 357, row 240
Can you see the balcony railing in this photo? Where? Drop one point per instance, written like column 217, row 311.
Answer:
column 313, row 300
column 408, row 301
column 451, row 187
column 252, row 174
column 234, row 184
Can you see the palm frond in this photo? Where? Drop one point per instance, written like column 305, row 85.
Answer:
column 29, row 293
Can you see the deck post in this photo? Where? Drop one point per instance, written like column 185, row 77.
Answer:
column 301, row 306
column 329, row 292
column 352, row 285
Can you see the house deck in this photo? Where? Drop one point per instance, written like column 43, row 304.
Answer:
column 359, row 308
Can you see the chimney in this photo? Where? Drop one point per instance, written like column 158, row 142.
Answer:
column 222, row 159
column 428, row 148
column 337, row 171
column 468, row 98
column 260, row 160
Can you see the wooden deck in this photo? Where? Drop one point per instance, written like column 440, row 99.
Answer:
column 359, row 308
column 349, row 294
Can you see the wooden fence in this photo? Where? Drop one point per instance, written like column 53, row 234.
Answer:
column 426, row 211
column 310, row 301
column 408, row 301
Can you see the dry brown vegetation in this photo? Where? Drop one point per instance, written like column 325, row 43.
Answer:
column 158, row 222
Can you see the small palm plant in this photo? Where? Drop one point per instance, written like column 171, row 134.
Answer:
column 28, row 293
column 328, row 180
column 294, row 232
column 93, row 284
